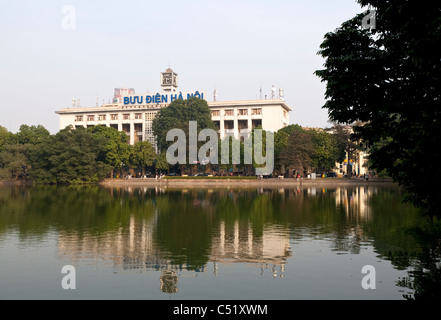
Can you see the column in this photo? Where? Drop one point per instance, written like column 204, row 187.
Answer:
column 132, row 130
column 235, row 124
column 221, row 124
column 143, row 127
column 120, row 122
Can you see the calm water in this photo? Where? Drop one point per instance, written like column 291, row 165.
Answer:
column 153, row 243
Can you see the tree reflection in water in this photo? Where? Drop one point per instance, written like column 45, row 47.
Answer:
column 169, row 230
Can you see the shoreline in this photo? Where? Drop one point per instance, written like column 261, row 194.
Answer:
column 222, row 183
column 227, row 183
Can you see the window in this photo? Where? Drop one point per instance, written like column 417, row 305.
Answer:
column 229, row 125
column 113, row 117
column 243, row 112
column 102, row 117
column 138, row 116
column 215, row 113
column 91, row 118
column 229, row 113
column 126, row 116
column 79, row 118
column 149, row 116
column 256, row 111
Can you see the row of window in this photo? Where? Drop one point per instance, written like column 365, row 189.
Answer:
column 240, row 112
column 150, row 115
column 103, row 117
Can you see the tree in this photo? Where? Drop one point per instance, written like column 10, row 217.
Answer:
column 161, row 163
column 389, row 79
column 14, row 162
column 325, row 150
column 74, row 157
column 345, row 146
column 5, row 137
column 143, row 155
column 281, row 138
column 177, row 115
column 32, row 134
column 298, row 152
column 17, row 151
column 117, row 149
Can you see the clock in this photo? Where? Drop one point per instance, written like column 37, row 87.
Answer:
column 167, row 78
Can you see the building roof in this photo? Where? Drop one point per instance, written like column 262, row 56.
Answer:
column 211, row 104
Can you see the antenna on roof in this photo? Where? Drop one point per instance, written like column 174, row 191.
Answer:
column 281, row 94
column 215, row 94
column 273, row 92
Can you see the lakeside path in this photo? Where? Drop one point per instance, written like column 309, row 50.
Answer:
column 238, row 183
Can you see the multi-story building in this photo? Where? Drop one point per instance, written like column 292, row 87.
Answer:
column 355, row 163
column 134, row 113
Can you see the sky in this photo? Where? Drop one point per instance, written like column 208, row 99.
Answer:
column 54, row 51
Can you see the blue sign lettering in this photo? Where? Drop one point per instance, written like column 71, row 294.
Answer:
column 160, row 98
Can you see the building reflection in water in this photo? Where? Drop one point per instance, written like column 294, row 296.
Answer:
column 135, row 247
column 354, row 201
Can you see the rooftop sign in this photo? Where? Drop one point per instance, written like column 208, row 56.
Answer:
column 160, row 98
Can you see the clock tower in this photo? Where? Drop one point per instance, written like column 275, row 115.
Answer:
column 169, row 80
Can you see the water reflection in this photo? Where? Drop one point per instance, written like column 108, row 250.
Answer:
column 170, row 230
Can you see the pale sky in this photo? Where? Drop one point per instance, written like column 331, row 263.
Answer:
column 235, row 47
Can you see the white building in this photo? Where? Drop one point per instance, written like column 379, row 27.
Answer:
column 134, row 113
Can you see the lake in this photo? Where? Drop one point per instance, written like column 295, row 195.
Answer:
column 215, row 243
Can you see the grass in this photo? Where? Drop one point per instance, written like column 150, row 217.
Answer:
column 211, row 178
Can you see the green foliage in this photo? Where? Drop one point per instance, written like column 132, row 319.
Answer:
column 5, row 137
column 389, row 79
column 143, row 155
column 281, row 138
column 227, row 154
column 32, row 134
column 325, row 151
column 161, row 162
column 117, row 150
column 74, row 157
column 302, row 150
column 14, row 161
column 298, row 151
column 177, row 116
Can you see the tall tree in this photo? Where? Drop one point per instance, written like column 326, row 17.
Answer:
column 142, row 155
column 32, row 134
column 325, row 150
column 298, row 152
column 75, row 157
column 178, row 115
column 388, row 77
column 117, row 149
column 161, row 163
column 345, row 145
column 14, row 161
column 5, row 137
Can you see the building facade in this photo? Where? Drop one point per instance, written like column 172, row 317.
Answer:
column 134, row 114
